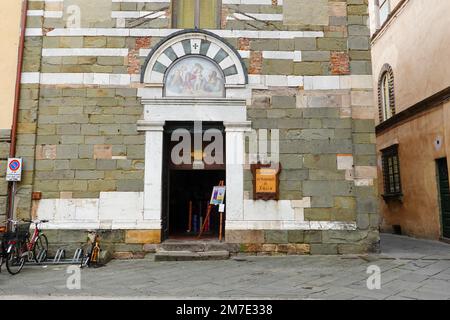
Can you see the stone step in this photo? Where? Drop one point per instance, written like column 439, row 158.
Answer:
column 194, row 246
column 163, row 255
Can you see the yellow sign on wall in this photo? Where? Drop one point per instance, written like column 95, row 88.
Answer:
column 266, row 180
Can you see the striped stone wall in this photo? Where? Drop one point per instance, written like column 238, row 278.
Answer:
column 5, row 139
column 309, row 77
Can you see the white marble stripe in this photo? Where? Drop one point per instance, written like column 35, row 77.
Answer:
column 144, row 52
column 256, row 2
column 245, row 54
column 84, row 52
column 163, row 59
column 76, row 78
column 255, row 81
column 139, row 14
column 258, row 16
column 225, row 63
column 282, row 55
column 45, row 13
column 178, row 49
column 124, row 32
column 142, row 1
column 53, row 14
column 260, row 2
column 35, row 13
column 212, row 50
column 289, row 225
column 33, row 32
column 30, row 77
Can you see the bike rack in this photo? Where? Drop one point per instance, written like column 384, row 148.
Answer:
column 59, row 258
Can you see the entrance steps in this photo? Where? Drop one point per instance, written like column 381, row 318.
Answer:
column 177, row 250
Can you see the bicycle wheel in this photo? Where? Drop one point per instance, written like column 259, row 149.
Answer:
column 40, row 248
column 14, row 259
column 85, row 260
column 86, row 256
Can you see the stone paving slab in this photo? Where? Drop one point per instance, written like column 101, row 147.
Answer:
column 281, row 277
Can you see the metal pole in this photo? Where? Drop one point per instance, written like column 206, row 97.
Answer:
column 11, row 208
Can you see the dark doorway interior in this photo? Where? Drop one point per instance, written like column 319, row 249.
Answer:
column 444, row 190
column 192, row 187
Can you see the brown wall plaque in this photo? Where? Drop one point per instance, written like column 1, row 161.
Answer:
column 266, row 181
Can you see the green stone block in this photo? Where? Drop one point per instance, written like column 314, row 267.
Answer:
column 102, row 185
column 321, row 113
column 320, row 161
column 72, row 236
column 276, row 236
column 276, row 67
column 106, row 164
column 308, row 68
column 113, row 236
column 296, row 236
column 290, row 185
column 72, row 185
column 130, row 185
column 44, row 165
column 332, row 44
column 324, row 249
column 276, row 113
column 111, row 61
column 86, row 151
column 291, row 161
column 313, row 236
column 305, row 44
column 89, row 175
column 69, row 42
column 115, row 42
column 337, row 188
column 322, row 175
column 364, row 149
column 85, row 164
column 135, row 151
column 283, row 102
column 263, row 45
column 62, row 164
column 94, row 42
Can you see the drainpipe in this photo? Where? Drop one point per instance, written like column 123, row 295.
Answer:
column 12, row 150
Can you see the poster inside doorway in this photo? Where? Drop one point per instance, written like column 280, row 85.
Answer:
column 218, row 195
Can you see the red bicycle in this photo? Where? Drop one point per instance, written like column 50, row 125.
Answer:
column 21, row 247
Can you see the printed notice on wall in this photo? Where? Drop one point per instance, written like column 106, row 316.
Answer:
column 266, row 180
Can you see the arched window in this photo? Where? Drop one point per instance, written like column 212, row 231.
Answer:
column 386, row 97
column 194, row 76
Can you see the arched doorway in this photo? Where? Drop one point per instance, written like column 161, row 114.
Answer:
column 192, row 77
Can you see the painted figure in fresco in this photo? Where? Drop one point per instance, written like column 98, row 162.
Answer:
column 194, row 78
column 214, row 83
column 176, row 81
column 198, row 79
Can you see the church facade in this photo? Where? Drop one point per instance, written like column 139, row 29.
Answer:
column 132, row 111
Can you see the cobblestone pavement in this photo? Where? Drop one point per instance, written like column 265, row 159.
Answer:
column 411, row 269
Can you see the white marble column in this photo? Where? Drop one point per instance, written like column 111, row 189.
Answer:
column 235, row 160
column 153, row 171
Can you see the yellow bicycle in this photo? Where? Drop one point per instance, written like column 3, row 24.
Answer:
column 92, row 252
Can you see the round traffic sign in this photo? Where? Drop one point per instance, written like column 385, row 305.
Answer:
column 14, row 165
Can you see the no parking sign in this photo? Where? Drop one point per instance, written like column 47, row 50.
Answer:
column 14, row 169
